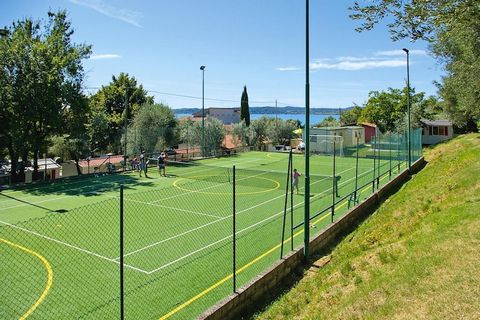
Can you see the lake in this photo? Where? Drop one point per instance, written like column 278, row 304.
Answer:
column 314, row 118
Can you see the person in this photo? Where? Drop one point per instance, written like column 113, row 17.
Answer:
column 296, row 176
column 161, row 164
column 142, row 164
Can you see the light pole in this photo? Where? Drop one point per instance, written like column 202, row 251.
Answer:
column 408, row 109
column 306, row 226
column 203, row 110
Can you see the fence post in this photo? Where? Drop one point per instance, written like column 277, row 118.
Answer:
column 234, row 258
column 285, row 207
column 398, row 153
column 379, row 162
column 122, row 313
column 334, row 180
column 390, row 155
column 291, row 200
column 356, row 175
column 374, row 163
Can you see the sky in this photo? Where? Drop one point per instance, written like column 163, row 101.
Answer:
column 257, row 43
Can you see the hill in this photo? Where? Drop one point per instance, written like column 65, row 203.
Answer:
column 416, row 257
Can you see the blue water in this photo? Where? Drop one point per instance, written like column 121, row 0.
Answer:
column 314, row 118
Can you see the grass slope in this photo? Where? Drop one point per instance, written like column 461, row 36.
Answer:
column 417, row 257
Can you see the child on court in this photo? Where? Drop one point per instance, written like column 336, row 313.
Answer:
column 161, row 163
column 296, row 176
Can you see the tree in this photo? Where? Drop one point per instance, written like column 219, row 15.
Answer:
column 111, row 100
column 244, row 108
column 186, row 132
column 452, row 28
column 281, row 131
column 241, row 133
column 350, row 116
column 214, row 134
column 152, row 130
column 259, row 129
column 329, row 121
column 41, row 77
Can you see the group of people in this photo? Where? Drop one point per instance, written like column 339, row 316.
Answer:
column 141, row 163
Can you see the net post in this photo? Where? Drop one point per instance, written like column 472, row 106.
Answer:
column 234, row 257
column 122, row 313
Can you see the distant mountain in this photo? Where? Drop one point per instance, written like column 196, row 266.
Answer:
column 279, row 110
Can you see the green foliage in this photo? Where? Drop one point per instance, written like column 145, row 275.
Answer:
column 281, row 131
column 241, row 133
column 152, row 130
column 453, row 29
column 214, row 134
column 111, row 100
column 350, row 116
column 186, row 132
column 244, row 108
column 388, row 109
column 329, row 121
column 259, row 129
column 40, row 77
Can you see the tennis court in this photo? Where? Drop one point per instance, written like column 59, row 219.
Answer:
column 60, row 242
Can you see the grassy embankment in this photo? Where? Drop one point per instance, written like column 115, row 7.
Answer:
column 416, row 257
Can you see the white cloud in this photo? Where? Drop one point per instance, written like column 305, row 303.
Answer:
column 105, row 56
column 399, row 52
column 287, row 68
column 129, row 16
column 357, row 64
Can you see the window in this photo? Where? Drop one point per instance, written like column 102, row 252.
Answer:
column 435, row 131
column 430, row 130
column 441, row 131
column 446, row 131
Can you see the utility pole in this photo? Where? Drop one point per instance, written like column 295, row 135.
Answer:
column 203, row 110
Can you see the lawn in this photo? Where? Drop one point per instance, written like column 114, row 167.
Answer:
column 416, row 257
column 60, row 242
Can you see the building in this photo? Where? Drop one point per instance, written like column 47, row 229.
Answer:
column 226, row 115
column 435, row 131
column 322, row 139
column 370, row 130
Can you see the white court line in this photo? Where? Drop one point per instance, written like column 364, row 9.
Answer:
column 224, row 218
column 7, row 195
column 230, row 236
column 72, row 246
column 167, row 207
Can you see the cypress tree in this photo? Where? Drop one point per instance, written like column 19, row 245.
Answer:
column 244, row 108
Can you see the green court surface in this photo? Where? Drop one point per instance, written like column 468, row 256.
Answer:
column 59, row 242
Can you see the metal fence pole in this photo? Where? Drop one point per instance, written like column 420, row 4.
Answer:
column 122, row 313
column 398, row 153
column 334, row 180
column 234, row 258
column 291, row 200
column 390, row 155
column 374, row 163
column 356, row 176
column 285, row 208
column 379, row 145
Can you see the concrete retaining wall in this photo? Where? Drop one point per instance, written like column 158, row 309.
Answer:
column 267, row 285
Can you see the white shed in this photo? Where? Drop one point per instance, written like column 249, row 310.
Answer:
column 435, row 131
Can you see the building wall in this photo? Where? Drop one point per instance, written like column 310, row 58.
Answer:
column 369, row 133
column 227, row 116
column 433, row 136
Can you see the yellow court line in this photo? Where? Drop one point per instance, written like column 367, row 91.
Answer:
column 263, row 255
column 47, row 267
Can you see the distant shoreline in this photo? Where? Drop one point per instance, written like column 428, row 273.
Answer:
column 272, row 110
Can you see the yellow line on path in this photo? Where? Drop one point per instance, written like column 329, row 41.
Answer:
column 248, row 265
column 47, row 267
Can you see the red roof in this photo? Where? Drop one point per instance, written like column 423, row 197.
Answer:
column 95, row 162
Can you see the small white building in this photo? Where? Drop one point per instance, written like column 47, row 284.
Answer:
column 322, row 139
column 435, row 131
column 226, row 115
